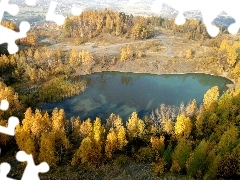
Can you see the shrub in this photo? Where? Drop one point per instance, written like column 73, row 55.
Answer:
column 159, row 166
column 145, row 154
column 121, row 161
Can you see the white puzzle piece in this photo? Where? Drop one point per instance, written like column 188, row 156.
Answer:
column 7, row 35
column 209, row 9
column 31, row 171
column 10, row 36
column 31, row 2
column 4, row 170
column 52, row 16
column 12, row 9
column 10, row 130
column 4, row 105
column 76, row 11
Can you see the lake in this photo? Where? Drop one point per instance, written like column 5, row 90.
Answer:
column 123, row 93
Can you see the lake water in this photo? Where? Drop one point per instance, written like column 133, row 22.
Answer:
column 123, row 93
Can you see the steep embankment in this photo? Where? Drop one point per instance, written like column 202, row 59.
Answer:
column 170, row 59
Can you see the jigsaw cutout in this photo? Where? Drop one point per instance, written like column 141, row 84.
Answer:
column 10, row 130
column 58, row 18
column 209, row 9
column 4, row 170
column 12, row 9
column 232, row 9
column 9, row 36
column 31, row 2
column 52, row 16
column 4, row 105
column 76, row 11
column 31, row 171
column 12, row 121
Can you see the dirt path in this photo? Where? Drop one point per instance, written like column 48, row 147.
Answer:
column 169, row 48
column 113, row 48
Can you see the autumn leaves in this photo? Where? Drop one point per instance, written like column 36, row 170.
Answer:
column 202, row 142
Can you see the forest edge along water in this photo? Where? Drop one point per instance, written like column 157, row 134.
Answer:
column 123, row 93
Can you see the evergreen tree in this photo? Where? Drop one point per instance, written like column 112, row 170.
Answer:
column 180, row 155
column 47, row 149
column 196, row 164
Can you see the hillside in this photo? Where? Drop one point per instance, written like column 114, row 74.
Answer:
column 187, row 142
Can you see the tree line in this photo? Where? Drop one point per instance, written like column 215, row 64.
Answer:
column 92, row 23
column 199, row 141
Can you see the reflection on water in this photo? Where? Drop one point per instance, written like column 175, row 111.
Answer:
column 123, row 93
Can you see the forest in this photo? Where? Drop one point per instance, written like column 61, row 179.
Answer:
column 199, row 142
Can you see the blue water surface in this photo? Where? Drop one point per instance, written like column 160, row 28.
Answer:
column 123, row 93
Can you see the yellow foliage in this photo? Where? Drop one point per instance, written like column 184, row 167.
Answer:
column 189, row 53
column 82, row 57
column 76, row 123
column 36, row 55
column 168, row 126
column 183, row 127
column 159, row 166
column 115, row 123
column 36, row 127
column 126, row 53
column 141, row 31
column 24, row 140
column 135, row 126
column 210, row 97
column 228, row 140
column 180, row 155
column 58, row 120
column 175, row 167
column 86, row 128
column 73, row 61
column 4, row 139
column 85, row 151
column 8, row 94
column 121, row 137
column 225, row 102
column 47, row 149
column 98, row 130
column 199, row 124
column 236, row 70
column 224, row 44
column 231, row 55
column 58, row 128
column 152, row 129
column 111, row 143
column 90, row 150
column 157, row 144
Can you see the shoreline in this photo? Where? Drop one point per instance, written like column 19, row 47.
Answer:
column 160, row 73
column 148, row 73
column 140, row 74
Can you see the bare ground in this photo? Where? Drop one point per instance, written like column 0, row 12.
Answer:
column 171, row 59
